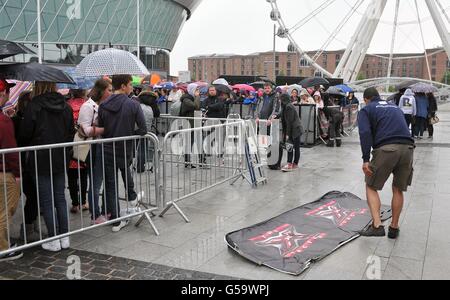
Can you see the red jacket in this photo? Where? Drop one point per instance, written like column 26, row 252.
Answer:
column 8, row 141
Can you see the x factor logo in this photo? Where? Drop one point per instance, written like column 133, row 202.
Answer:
column 287, row 240
column 339, row 215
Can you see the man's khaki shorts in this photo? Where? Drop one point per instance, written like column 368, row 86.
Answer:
column 394, row 159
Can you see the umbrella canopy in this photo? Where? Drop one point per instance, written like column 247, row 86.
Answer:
column 345, row 88
column 111, row 62
column 405, row 84
column 221, row 88
column 168, row 86
column 8, row 49
column 293, row 87
column 258, row 84
column 243, row 87
column 220, row 81
column 334, row 90
column 152, row 79
column 35, row 72
column 81, row 83
column 201, row 83
column 16, row 91
column 424, row 88
column 314, row 81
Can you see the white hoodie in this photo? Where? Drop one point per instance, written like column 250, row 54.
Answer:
column 408, row 103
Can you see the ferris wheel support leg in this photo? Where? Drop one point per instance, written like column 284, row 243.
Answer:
column 440, row 25
column 360, row 42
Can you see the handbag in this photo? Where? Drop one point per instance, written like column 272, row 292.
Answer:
column 434, row 120
column 80, row 153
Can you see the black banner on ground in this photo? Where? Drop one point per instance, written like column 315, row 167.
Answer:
column 290, row 242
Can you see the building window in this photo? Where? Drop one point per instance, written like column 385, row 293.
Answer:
column 288, row 72
column 304, row 63
column 289, row 64
column 277, row 65
column 433, row 71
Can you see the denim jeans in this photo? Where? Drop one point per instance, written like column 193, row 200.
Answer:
column 294, row 155
column 112, row 187
column 49, row 200
column 95, row 182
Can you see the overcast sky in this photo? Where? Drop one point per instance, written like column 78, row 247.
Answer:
column 244, row 27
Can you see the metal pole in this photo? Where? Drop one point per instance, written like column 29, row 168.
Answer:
column 274, row 52
column 391, row 55
column 38, row 16
column 138, row 2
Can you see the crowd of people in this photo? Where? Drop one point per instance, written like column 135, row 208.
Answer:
column 113, row 108
column 420, row 112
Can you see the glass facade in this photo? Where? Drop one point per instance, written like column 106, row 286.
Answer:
column 71, row 29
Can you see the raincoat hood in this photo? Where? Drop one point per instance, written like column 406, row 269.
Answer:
column 409, row 92
column 53, row 102
column 192, row 88
column 115, row 103
column 285, row 100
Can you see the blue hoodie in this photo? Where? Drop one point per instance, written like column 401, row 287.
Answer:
column 380, row 124
column 120, row 116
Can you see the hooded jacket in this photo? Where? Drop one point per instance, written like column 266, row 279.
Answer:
column 120, row 116
column 407, row 103
column 150, row 99
column 47, row 120
column 422, row 106
column 292, row 126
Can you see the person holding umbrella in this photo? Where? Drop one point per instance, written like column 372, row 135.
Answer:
column 433, row 108
column 48, row 120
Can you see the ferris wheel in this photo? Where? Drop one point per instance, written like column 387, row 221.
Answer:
column 358, row 36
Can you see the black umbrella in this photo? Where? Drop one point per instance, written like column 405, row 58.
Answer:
column 35, row 72
column 258, row 85
column 405, row 84
column 314, row 81
column 223, row 88
column 336, row 91
column 8, row 49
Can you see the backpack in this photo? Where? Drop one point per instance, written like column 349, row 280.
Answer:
column 175, row 109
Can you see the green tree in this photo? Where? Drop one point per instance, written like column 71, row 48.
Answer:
column 360, row 77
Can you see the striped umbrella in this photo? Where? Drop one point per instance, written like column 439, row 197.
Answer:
column 21, row 86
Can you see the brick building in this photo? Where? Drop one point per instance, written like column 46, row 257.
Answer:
column 210, row 67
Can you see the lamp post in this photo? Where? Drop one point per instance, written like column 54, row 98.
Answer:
column 274, row 52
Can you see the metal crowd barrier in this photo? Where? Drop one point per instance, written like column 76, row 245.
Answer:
column 200, row 158
column 44, row 192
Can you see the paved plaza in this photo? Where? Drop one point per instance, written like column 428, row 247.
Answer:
column 198, row 251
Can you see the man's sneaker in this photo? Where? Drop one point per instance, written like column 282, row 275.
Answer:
column 54, row 246
column 295, row 167
column 373, row 232
column 120, row 225
column 338, row 143
column 65, row 243
column 393, row 233
column 330, row 144
column 11, row 256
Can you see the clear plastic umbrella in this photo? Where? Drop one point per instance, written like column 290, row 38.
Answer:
column 111, row 62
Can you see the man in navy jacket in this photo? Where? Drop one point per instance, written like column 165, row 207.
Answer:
column 382, row 127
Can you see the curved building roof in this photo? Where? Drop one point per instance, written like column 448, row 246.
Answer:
column 96, row 22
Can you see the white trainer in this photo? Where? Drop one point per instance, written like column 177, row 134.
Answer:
column 54, row 246
column 65, row 243
column 119, row 226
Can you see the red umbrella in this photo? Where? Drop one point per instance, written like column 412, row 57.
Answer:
column 244, row 87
